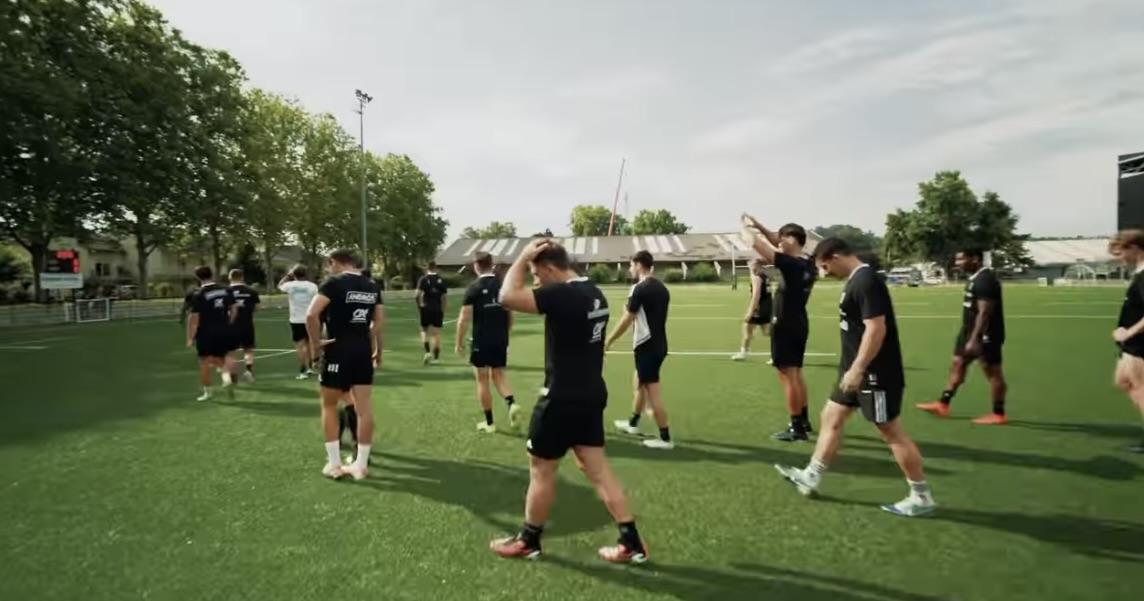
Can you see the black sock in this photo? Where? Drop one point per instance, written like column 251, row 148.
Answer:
column 302, row 369
column 489, row 417
column 630, row 537
column 634, row 421
column 947, row 397
column 426, row 345
column 999, row 407
column 351, row 421
column 796, row 422
column 805, row 415
column 665, row 434
column 531, row 535
column 250, row 367
column 509, row 400
column 437, row 352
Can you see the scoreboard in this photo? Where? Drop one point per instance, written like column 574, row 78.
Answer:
column 62, row 271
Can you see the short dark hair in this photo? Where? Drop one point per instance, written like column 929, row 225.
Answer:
column 553, row 254
column 483, row 260
column 794, row 230
column 644, row 258
column 344, row 256
column 235, row 274
column 973, row 252
column 432, row 265
column 1133, row 238
column 832, row 247
column 204, row 273
column 299, row 272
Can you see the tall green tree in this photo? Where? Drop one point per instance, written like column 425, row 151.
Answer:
column 495, row 229
column 323, row 213
column 860, row 239
column 406, row 226
column 657, row 222
column 592, row 220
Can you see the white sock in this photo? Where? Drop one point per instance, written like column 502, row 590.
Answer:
column 742, row 350
column 332, row 450
column 815, row 469
column 226, row 378
column 206, row 390
column 919, row 489
column 361, row 462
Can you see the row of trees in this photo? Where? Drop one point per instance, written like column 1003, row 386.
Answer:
column 114, row 124
column 593, row 220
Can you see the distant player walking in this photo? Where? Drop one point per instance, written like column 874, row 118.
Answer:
column 246, row 302
column 300, row 293
column 759, row 309
column 209, row 330
column 570, row 412
column 491, row 326
column 981, row 337
column 431, row 291
column 790, row 327
column 1128, row 247
column 349, row 305
column 871, row 378
column 647, row 309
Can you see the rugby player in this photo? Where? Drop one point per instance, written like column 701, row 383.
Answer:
column 246, row 302
column 872, row 379
column 431, row 305
column 300, row 293
column 209, row 330
column 570, row 411
column 491, row 327
column 1128, row 247
column 759, row 309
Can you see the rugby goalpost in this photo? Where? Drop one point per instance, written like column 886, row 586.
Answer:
column 88, row 310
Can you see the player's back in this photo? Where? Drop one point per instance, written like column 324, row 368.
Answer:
column 245, row 299
column 650, row 300
column 490, row 319
column 300, row 293
column 212, row 303
column 576, row 317
column 351, row 309
column 432, row 287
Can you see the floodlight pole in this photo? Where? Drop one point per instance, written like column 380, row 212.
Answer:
column 363, row 99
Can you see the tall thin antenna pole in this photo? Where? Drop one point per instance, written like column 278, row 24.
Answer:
column 616, row 201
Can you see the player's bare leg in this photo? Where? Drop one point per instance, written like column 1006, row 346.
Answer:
column 435, row 334
column 1130, row 379
column 483, row 378
column 329, row 398
column 537, row 505
column 806, row 480
column 639, row 403
column 363, row 406
column 305, row 364
column 425, row 345
column 229, row 375
column 1137, row 396
column 653, row 393
column 998, row 388
column 794, row 391
column 920, row 499
column 594, row 464
column 940, row 407
column 745, row 345
column 205, row 366
column 248, row 357
column 500, row 381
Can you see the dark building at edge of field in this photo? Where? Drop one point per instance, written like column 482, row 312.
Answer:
column 1130, row 191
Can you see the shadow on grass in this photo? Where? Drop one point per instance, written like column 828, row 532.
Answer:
column 493, row 493
column 701, row 450
column 744, row 581
column 1104, row 466
column 1129, row 432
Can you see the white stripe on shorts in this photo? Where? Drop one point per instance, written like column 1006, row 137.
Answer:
column 879, row 406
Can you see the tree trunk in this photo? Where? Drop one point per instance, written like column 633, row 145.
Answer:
column 216, row 251
column 268, row 265
column 39, row 255
column 141, row 265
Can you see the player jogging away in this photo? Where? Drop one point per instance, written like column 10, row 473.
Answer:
column 759, row 309
column 209, row 330
column 245, row 303
column 981, row 337
column 300, row 293
column 1128, row 247
column 349, row 305
column 790, row 325
column 570, row 411
column 431, row 291
column 871, row 378
column 491, row 327
column 647, row 309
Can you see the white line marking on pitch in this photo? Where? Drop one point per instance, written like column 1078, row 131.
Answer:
column 21, row 348
column 274, row 354
column 720, row 354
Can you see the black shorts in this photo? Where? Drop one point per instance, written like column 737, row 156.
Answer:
column 298, row 332
column 879, row 405
column 432, row 317
column 788, row 344
column 647, row 365
column 763, row 316
column 243, row 336
column 489, row 356
column 342, row 369
column 558, row 426
column 214, row 344
column 990, row 351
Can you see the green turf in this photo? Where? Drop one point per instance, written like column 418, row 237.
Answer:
column 115, row 484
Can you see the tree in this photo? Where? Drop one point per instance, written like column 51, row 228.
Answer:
column 947, row 218
column 547, row 233
column 592, row 220
column 404, row 222
column 861, row 240
column 495, row 229
column 324, row 213
column 12, row 265
column 657, row 222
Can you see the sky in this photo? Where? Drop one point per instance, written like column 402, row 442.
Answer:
column 820, row 112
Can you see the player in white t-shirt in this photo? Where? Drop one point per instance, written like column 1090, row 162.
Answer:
column 300, row 292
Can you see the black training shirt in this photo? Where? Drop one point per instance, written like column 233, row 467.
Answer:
column 648, row 300
column 349, row 315
column 984, row 285
column 490, row 319
column 246, row 298
column 798, row 276
column 212, row 303
column 1131, row 312
column 866, row 297
column 575, row 320
column 432, row 288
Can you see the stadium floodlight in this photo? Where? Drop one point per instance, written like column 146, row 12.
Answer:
column 363, row 99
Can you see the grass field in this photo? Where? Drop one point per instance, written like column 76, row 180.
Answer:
column 115, row 484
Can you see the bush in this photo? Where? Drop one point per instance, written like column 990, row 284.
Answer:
column 454, row 280
column 702, row 272
column 601, row 274
column 397, row 283
column 673, row 276
column 164, row 290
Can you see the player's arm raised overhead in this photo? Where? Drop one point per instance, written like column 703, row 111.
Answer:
column 314, row 323
column 286, row 279
column 772, row 237
column 756, row 296
column 514, row 295
column 762, row 240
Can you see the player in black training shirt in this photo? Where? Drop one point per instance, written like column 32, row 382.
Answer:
column 431, row 291
column 790, row 326
column 246, row 303
column 570, row 411
column 981, row 337
column 647, row 309
column 349, row 305
column 209, row 330
column 1128, row 247
column 760, row 309
column 491, row 326
column 871, row 378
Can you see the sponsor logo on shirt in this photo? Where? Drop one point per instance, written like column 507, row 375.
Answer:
column 213, row 294
column 369, row 298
